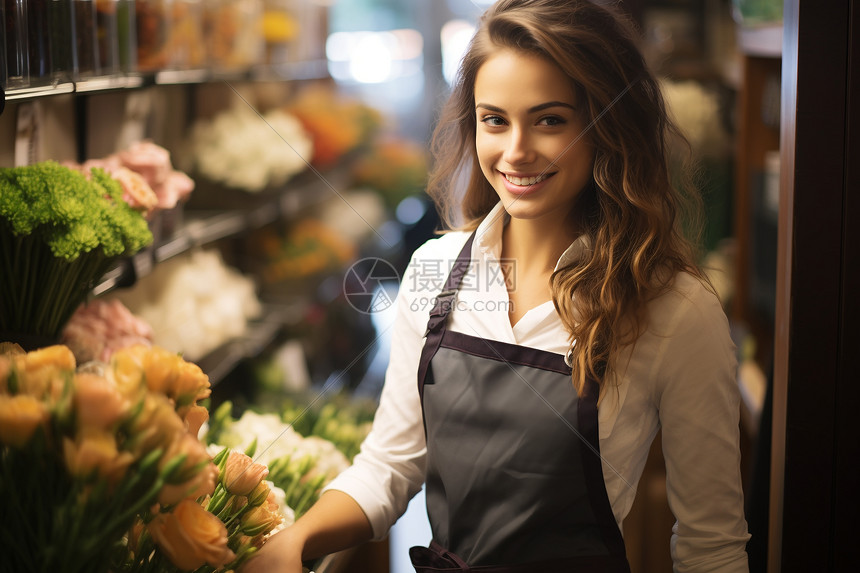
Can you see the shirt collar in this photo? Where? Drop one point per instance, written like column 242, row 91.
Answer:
column 488, row 238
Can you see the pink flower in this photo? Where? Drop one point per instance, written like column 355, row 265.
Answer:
column 101, row 327
column 150, row 160
column 175, row 188
column 136, row 191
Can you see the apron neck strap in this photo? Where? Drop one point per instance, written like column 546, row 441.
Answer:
column 444, row 301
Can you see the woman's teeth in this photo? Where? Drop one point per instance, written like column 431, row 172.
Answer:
column 525, row 180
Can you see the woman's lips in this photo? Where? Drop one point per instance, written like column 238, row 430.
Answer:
column 520, row 185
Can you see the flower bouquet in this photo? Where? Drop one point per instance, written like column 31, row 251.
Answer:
column 101, row 469
column 299, row 465
column 60, row 231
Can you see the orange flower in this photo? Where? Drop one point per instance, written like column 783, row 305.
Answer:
column 242, row 475
column 262, row 518
column 191, row 480
column 98, row 402
column 41, row 373
column 126, row 369
column 96, row 452
column 19, row 417
column 203, row 484
column 190, row 384
column 156, row 425
column 190, row 536
column 194, row 418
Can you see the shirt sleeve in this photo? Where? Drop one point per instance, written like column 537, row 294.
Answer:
column 699, row 413
column 389, row 469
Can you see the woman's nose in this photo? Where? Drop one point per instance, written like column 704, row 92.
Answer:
column 517, row 148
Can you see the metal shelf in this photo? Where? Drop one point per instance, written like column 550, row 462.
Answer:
column 293, row 71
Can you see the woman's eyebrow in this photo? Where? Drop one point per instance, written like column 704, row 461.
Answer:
column 534, row 109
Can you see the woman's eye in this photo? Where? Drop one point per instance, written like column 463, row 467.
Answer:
column 551, row 120
column 493, row 120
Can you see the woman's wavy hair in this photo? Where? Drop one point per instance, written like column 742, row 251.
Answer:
column 631, row 212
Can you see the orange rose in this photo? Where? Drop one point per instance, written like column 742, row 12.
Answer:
column 96, row 452
column 191, row 480
column 203, row 484
column 98, row 402
column 242, row 475
column 194, row 419
column 190, row 536
column 126, row 369
column 156, row 425
column 42, row 373
column 262, row 518
column 160, row 368
column 191, row 384
column 19, row 417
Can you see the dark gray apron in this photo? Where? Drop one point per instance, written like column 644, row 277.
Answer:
column 514, row 480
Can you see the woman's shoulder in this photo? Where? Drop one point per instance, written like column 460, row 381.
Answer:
column 443, row 247
column 688, row 303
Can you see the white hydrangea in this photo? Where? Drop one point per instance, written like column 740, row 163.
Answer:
column 241, row 149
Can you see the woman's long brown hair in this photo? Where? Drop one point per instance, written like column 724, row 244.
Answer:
column 631, row 212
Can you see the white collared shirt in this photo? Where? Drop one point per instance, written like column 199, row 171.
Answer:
column 680, row 375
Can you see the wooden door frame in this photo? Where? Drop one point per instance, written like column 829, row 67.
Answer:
column 814, row 496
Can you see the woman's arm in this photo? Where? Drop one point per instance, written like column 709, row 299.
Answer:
column 334, row 523
column 699, row 410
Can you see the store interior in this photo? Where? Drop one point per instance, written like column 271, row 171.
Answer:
column 284, row 147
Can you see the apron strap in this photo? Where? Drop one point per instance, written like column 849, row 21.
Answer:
column 593, row 469
column 442, row 307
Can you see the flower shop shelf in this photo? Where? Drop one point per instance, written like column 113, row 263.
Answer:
column 202, row 227
column 292, row 71
column 260, row 333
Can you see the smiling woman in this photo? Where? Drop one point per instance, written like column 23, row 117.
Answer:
column 530, row 139
column 529, row 422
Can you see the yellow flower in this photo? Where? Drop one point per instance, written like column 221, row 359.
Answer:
column 19, row 417
column 242, row 475
column 96, row 452
column 98, row 402
column 42, row 373
column 190, row 384
column 190, row 536
column 126, row 370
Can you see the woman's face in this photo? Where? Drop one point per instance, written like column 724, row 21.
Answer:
column 529, row 136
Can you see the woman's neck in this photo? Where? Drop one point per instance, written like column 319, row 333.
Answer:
column 534, row 245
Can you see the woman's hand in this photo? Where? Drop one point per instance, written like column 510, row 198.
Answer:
column 281, row 553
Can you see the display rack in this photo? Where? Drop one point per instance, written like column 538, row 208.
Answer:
column 293, row 71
